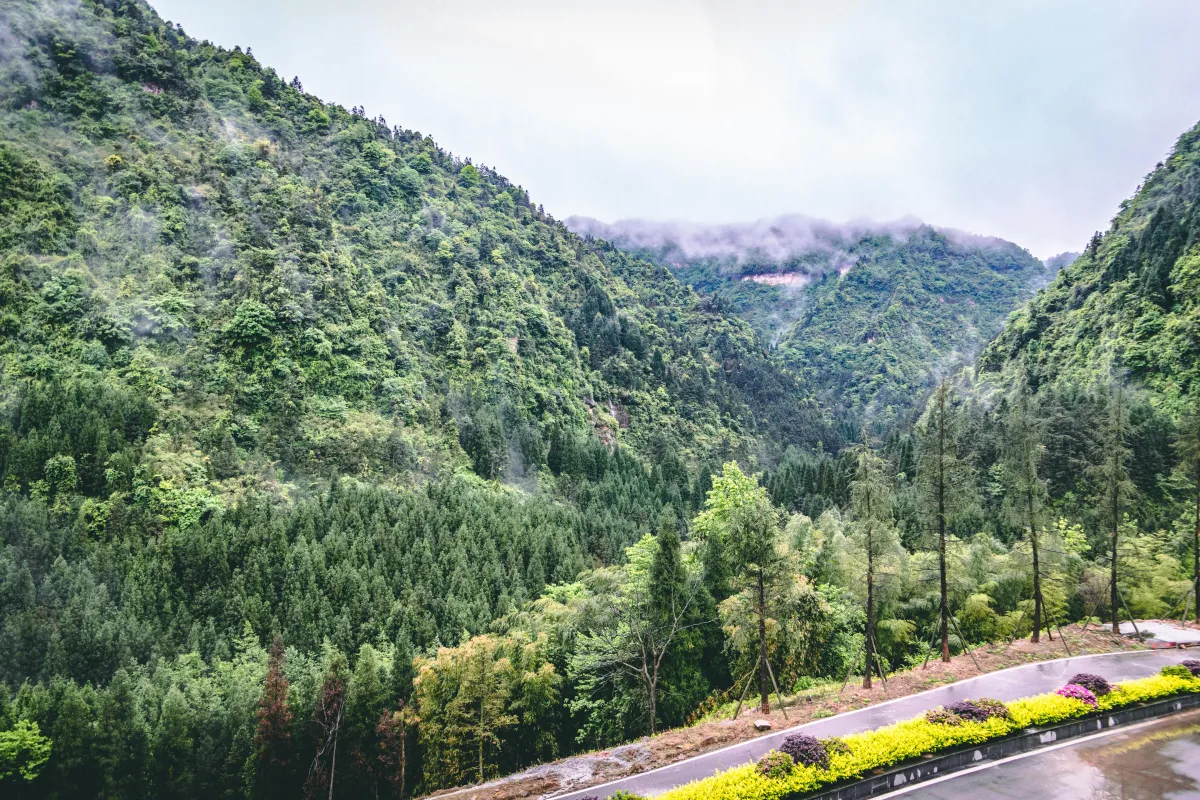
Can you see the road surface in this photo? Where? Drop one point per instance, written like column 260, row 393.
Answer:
column 1157, row 760
column 1008, row 684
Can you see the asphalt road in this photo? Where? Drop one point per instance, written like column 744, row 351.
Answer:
column 1008, row 684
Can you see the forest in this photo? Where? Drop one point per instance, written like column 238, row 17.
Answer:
column 331, row 463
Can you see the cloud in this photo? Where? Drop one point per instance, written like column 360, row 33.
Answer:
column 1025, row 120
column 777, row 240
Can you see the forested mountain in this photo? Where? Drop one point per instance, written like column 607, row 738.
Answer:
column 270, row 368
column 1130, row 303
column 866, row 314
column 332, row 466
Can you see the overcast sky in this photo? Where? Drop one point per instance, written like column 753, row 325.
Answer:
column 1025, row 120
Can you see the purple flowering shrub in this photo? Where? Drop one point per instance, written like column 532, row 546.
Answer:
column 807, row 750
column 1193, row 667
column 1093, row 683
column 1079, row 693
column 978, row 710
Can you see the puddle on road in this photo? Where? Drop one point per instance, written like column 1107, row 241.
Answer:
column 1160, row 761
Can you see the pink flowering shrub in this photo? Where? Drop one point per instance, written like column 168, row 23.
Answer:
column 1078, row 692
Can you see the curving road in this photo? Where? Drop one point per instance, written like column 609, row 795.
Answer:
column 1007, row 684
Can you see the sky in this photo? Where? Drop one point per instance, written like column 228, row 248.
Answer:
column 1030, row 121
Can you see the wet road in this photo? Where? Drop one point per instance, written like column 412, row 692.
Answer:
column 1154, row 761
column 1008, row 684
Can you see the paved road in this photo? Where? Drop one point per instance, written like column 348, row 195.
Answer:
column 1008, row 684
column 1158, row 760
column 1159, row 632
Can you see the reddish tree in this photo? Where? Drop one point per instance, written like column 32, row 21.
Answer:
column 392, row 731
column 327, row 721
column 273, row 734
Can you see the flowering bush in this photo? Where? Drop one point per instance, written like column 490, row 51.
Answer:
column 1093, row 683
column 1193, row 666
column 978, row 710
column 860, row 753
column 1077, row 692
column 776, row 765
column 806, row 750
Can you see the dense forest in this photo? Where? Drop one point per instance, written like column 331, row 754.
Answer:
column 868, row 316
column 331, row 464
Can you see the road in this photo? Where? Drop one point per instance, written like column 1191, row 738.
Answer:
column 1008, row 684
column 1156, row 760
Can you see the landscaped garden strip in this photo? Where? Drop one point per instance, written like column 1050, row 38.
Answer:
column 856, row 755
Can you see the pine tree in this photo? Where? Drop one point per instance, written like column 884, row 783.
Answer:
column 1025, row 490
column 273, row 733
column 871, row 500
column 946, row 481
column 1111, row 475
column 1187, row 449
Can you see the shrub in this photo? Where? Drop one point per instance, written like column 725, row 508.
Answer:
column 941, row 716
column 1077, row 692
column 978, row 710
column 776, row 765
column 993, row 708
column 1176, row 671
column 806, row 750
column 621, row 794
column 835, row 746
column 1095, row 684
column 1193, row 666
column 884, row 747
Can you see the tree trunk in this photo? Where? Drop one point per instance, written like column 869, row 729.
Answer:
column 1037, row 575
column 337, row 732
column 941, row 520
column 1196, row 551
column 652, row 701
column 1116, row 618
column 763, row 677
column 870, row 644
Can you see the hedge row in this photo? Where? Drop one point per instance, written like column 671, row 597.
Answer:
column 885, row 747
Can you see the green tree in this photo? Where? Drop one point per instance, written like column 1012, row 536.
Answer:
column 1111, row 476
column 23, row 751
column 946, row 483
column 1025, row 495
column 1187, row 449
column 871, row 502
column 744, row 526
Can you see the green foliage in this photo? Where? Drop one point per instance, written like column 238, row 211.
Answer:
column 869, row 318
column 23, row 751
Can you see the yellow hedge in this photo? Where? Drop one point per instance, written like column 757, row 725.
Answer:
column 885, row 747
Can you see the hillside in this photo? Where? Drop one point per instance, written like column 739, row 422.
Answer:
column 1130, row 302
column 865, row 314
column 254, row 289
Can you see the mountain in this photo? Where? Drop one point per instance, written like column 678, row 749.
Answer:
column 1130, row 302
column 865, row 314
column 215, row 283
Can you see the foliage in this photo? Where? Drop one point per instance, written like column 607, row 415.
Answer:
column 1193, row 665
column 807, row 750
column 884, row 747
column 776, row 765
column 1080, row 693
column 1095, row 684
column 23, row 751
